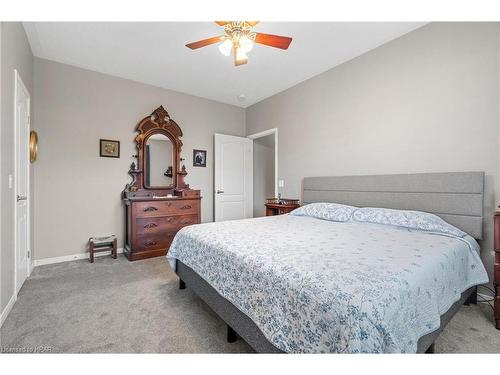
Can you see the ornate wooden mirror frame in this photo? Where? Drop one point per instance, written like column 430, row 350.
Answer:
column 159, row 122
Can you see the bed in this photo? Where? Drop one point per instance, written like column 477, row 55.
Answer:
column 299, row 284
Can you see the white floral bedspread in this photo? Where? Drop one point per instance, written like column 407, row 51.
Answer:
column 317, row 286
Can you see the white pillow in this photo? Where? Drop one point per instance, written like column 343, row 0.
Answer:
column 409, row 219
column 326, row 211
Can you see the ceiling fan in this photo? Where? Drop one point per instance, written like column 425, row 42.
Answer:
column 239, row 38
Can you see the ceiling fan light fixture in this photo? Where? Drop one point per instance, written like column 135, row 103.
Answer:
column 246, row 44
column 225, row 47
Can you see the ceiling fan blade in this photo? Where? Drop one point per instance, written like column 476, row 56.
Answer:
column 276, row 41
column 252, row 23
column 240, row 62
column 204, row 42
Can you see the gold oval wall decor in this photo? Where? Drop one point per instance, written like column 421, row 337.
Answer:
column 33, row 145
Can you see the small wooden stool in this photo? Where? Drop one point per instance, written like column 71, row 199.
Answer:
column 98, row 244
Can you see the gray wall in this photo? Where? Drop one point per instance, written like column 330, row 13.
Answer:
column 426, row 102
column 1, row 183
column 15, row 54
column 263, row 173
column 77, row 192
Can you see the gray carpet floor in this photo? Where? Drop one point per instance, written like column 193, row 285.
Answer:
column 119, row 306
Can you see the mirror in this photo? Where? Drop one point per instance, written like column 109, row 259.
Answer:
column 159, row 159
column 158, row 144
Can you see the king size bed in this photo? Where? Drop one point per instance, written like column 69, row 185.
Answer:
column 362, row 267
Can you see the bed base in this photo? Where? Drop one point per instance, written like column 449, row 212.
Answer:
column 472, row 298
column 431, row 349
column 240, row 325
column 232, row 336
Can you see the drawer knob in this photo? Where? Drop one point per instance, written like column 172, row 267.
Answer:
column 150, row 225
column 186, row 207
column 150, row 243
column 150, row 208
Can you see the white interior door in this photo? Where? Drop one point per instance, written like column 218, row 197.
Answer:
column 22, row 130
column 233, row 177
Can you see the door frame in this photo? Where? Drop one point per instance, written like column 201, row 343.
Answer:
column 19, row 84
column 264, row 134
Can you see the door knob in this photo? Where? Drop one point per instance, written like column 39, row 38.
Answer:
column 220, row 191
column 21, row 198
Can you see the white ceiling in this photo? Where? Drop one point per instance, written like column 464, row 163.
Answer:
column 154, row 53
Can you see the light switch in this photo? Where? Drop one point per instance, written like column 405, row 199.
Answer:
column 10, row 181
column 281, row 183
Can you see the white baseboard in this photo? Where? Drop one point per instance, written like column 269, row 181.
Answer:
column 69, row 258
column 7, row 309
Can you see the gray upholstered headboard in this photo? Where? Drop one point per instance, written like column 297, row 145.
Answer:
column 457, row 197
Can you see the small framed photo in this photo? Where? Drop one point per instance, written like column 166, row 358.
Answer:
column 109, row 148
column 199, row 158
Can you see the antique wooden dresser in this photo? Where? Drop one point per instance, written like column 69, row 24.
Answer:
column 158, row 202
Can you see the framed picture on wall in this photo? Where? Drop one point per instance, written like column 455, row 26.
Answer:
column 109, row 148
column 199, row 158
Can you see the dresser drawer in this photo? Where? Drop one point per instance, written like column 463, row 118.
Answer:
column 164, row 224
column 163, row 208
column 153, row 241
column 497, row 274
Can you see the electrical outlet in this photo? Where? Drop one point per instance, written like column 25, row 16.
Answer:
column 10, row 181
column 281, row 183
